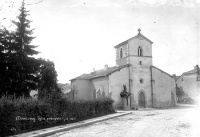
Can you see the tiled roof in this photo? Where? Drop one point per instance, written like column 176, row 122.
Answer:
column 125, row 42
column 100, row 73
column 195, row 70
column 60, row 85
column 65, row 88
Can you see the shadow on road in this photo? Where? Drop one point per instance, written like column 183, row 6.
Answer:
column 178, row 106
column 184, row 106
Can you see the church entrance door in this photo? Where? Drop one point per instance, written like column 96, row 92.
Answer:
column 141, row 100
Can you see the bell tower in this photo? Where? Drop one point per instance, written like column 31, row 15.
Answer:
column 136, row 51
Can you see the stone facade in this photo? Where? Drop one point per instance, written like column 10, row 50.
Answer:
column 162, row 84
column 81, row 89
column 189, row 83
column 116, row 81
column 148, row 85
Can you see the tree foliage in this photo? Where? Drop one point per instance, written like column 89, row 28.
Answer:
column 48, row 75
column 179, row 92
column 8, row 54
column 19, row 70
column 48, row 83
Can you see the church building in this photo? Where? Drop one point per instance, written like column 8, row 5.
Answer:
column 148, row 85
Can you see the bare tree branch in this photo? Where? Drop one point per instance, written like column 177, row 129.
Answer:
column 35, row 3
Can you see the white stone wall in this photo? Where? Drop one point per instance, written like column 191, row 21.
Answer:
column 81, row 89
column 99, row 83
column 116, row 81
column 136, row 42
column 125, row 49
column 130, row 52
column 122, row 61
column 163, row 89
column 190, row 85
column 140, row 71
column 144, row 74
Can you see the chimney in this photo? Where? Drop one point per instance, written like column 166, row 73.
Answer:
column 106, row 67
column 93, row 69
column 174, row 76
column 196, row 67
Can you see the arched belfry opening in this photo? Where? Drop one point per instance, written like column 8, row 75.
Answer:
column 121, row 53
column 141, row 100
column 140, row 51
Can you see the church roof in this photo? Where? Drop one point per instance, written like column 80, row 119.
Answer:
column 139, row 35
column 100, row 73
column 195, row 70
column 161, row 70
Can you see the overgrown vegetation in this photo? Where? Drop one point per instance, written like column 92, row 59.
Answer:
column 22, row 114
column 183, row 97
column 180, row 93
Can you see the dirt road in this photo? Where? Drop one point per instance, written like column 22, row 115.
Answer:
column 182, row 121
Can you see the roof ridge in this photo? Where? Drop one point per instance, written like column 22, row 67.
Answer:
column 161, row 70
column 191, row 71
column 103, row 72
column 139, row 34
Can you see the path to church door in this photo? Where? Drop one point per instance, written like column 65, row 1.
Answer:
column 141, row 100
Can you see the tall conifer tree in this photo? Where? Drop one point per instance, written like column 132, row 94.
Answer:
column 26, row 67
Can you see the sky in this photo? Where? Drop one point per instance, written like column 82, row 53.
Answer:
column 79, row 35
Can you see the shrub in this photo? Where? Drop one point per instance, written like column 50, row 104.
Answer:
column 7, row 116
column 80, row 109
column 19, row 114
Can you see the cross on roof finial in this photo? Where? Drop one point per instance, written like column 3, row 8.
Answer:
column 139, row 30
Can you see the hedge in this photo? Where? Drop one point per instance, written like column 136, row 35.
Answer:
column 18, row 115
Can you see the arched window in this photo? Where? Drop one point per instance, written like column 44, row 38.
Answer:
column 140, row 52
column 141, row 81
column 121, row 53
